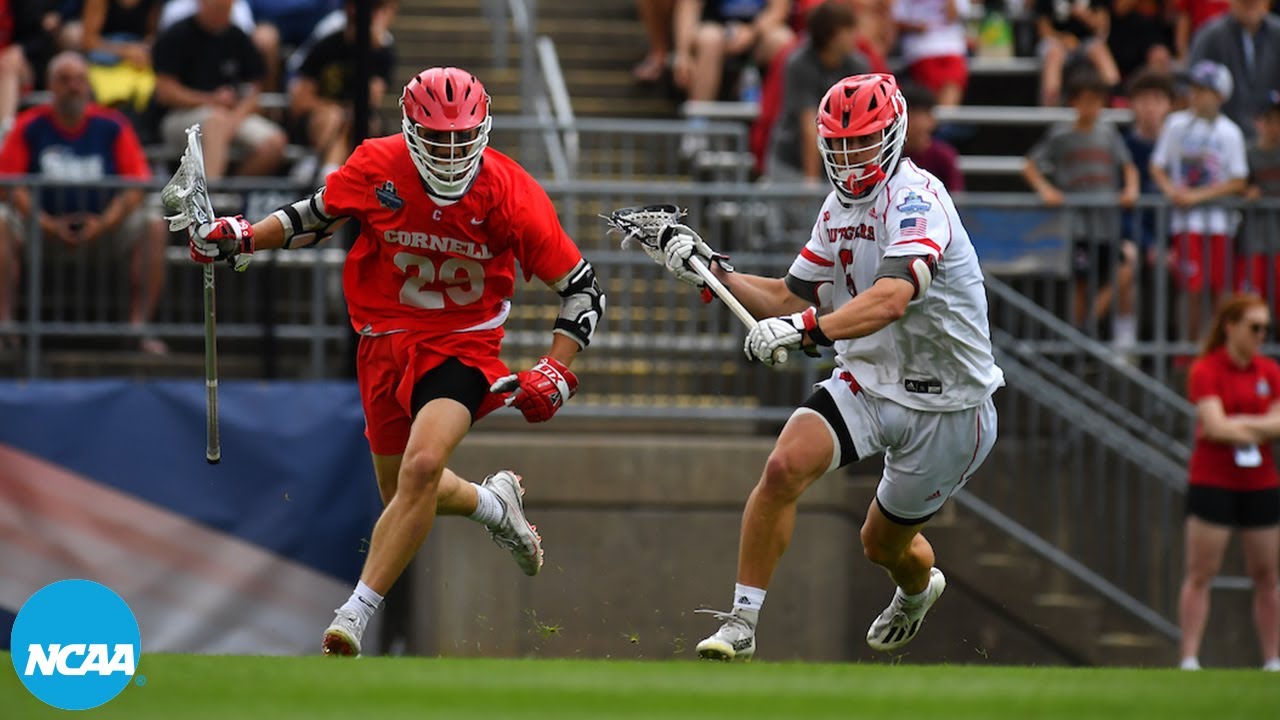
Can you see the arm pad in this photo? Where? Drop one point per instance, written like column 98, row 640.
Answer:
column 305, row 217
column 915, row 269
column 582, row 304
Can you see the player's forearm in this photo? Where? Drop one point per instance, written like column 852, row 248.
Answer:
column 762, row 296
column 870, row 311
column 268, row 234
column 563, row 348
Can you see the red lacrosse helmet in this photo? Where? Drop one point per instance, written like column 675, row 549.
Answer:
column 446, row 127
column 862, row 125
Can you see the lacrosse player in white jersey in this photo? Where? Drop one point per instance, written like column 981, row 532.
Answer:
column 890, row 279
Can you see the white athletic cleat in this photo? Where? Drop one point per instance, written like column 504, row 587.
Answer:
column 1189, row 663
column 736, row 638
column 514, row 532
column 343, row 634
column 1272, row 665
column 899, row 623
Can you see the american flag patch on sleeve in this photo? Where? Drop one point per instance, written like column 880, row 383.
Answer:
column 913, row 227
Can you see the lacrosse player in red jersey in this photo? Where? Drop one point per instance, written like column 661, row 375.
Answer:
column 443, row 218
column 907, row 314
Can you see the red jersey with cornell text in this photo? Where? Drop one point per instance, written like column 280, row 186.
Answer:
column 443, row 269
column 1249, row 390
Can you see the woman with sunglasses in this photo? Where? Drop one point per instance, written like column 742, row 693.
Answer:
column 1233, row 479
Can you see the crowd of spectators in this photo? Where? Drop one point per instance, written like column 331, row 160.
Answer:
column 123, row 74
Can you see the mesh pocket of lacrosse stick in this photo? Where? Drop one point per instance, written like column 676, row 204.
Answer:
column 643, row 224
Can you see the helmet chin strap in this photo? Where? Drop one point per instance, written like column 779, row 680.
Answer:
column 861, row 185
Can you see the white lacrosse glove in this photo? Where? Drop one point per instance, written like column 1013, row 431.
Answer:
column 786, row 332
column 679, row 243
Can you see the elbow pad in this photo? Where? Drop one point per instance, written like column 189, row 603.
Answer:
column 915, row 269
column 582, row 304
column 305, row 217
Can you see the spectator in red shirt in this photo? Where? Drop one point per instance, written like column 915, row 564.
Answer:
column 1233, row 480
column 72, row 140
column 921, row 147
column 1191, row 16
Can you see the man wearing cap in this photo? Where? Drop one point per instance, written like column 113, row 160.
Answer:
column 1247, row 41
column 1199, row 158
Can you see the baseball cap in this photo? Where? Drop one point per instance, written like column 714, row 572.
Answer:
column 1214, row 76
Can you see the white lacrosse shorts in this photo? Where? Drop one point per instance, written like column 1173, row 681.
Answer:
column 928, row 455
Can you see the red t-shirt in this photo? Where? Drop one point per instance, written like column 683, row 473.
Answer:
column 1202, row 11
column 1243, row 391
column 421, row 266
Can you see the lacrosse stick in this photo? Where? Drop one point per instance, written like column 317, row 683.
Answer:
column 643, row 226
column 187, row 196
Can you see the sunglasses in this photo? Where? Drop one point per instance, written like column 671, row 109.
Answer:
column 1259, row 328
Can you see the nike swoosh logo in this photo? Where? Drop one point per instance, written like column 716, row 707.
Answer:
column 477, row 221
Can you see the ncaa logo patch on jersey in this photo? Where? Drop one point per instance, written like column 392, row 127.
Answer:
column 1264, row 389
column 913, row 203
column 387, row 197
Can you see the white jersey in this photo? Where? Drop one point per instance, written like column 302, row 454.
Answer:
column 937, row 356
column 1195, row 153
column 940, row 38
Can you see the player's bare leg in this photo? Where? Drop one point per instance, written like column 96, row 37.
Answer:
column 802, row 455
column 908, row 557
column 1262, row 563
column 1205, row 545
column 406, row 521
column 497, row 503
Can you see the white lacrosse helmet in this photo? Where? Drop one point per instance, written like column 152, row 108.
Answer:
column 446, row 127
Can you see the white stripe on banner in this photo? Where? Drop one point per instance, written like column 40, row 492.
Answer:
column 192, row 588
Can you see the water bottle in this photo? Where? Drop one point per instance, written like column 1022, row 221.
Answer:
column 749, row 85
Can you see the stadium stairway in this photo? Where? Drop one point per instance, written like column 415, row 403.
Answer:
column 597, row 41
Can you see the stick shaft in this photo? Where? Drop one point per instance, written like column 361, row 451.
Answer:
column 735, row 306
column 213, row 446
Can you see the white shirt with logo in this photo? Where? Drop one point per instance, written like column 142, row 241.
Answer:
column 940, row 37
column 1197, row 153
column 937, row 356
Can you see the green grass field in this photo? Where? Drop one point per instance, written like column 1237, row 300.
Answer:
column 226, row 688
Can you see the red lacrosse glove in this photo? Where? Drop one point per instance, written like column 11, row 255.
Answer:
column 540, row 390
column 226, row 238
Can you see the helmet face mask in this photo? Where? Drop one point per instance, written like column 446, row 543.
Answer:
column 446, row 124
column 862, row 127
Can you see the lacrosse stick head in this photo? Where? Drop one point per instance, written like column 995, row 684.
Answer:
column 643, row 224
column 186, row 195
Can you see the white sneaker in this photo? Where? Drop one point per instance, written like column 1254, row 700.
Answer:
column 343, row 634
column 736, row 638
column 898, row 624
column 514, row 532
column 1189, row 663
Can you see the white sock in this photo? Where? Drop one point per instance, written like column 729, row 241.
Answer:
column 1190, row 663
column 1125, row 330
column 364, row 601
column 489, row 509
column 746, row 597
column 1272, row 665
column 912, row 600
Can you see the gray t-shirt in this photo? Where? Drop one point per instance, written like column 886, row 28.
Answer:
column 805, row 80
column 1261, row 228
column 1264, row 170
column 1079, row 161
